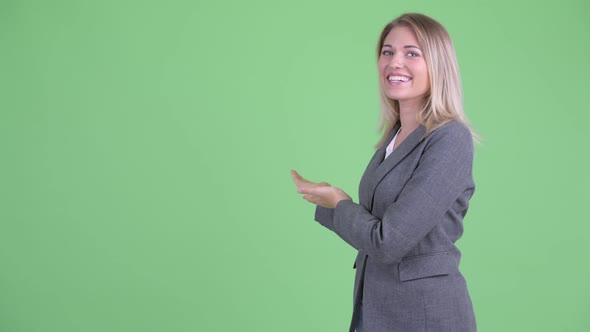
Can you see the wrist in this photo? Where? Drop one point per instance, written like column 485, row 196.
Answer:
column 342, row 200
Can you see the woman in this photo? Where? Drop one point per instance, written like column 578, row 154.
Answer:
column 414, row 193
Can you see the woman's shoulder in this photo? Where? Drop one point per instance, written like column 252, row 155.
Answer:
column 454, row 132
column 454, row 128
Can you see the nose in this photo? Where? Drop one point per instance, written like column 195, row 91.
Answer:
column 396, row 60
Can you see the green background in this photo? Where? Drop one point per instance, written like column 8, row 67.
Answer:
column 146, row 148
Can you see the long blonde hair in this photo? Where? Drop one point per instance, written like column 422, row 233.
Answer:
column 444, row 102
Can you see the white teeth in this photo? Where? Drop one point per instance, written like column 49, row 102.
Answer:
column 398, row 78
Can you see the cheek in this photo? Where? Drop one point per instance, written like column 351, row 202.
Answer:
column 424, row 76
column 381, row 65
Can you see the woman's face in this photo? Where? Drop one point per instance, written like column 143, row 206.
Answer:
column 402, row 68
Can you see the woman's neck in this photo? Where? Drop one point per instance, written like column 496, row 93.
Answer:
column 408, row 118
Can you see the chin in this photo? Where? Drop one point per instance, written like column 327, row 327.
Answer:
column 394, row 96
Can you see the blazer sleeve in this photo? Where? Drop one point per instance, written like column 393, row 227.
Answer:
column 442, row 176
column 325, row 216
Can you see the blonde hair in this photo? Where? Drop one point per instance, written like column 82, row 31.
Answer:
column 444, row 102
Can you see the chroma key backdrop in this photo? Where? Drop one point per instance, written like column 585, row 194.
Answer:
column 145, row 150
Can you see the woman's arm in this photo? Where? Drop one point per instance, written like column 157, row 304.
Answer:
column 442, row 176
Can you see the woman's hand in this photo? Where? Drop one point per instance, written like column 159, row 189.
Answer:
column 322, row 193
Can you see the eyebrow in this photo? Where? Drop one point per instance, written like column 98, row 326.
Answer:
column 406, row 46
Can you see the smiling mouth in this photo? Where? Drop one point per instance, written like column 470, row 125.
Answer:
column 397, row 78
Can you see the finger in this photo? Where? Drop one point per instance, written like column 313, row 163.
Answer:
column 298, row 179
column 311, row 190
column 309, row 198
column 301, row 182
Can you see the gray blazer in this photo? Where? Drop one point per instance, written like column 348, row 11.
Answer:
column 405, row 227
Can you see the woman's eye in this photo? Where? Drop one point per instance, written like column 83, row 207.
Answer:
column 386, row 52
column 413, row 54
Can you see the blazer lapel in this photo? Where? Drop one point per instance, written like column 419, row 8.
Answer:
column 401, row 151
column 378, row 168
column 366, row 186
